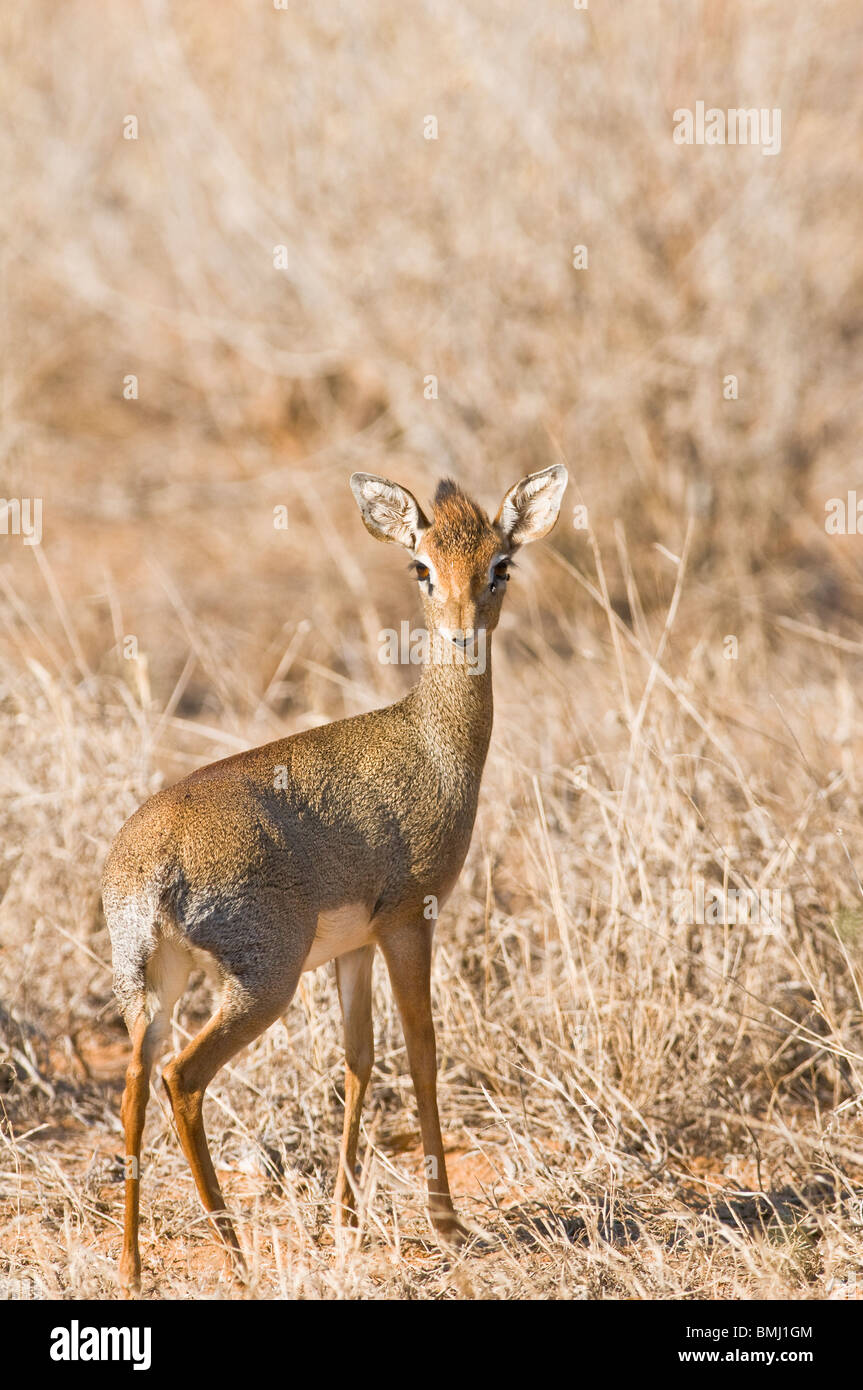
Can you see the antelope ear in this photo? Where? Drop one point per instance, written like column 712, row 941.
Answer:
column 531, row 507
column 389, row 511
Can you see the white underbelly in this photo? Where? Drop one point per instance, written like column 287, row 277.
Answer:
column 340, row 930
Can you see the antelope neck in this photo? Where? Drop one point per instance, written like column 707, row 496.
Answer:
column 453, row 702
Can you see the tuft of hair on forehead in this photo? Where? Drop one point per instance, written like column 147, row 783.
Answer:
column 457, row 521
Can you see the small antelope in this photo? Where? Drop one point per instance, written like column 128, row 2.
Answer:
column 321, row 847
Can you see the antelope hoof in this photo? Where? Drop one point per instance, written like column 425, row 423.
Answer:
column 129, row 1278
column 345, row 1215
column 448, row 1229
column 235, row 1263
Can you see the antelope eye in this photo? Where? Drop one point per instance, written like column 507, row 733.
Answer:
column 499, row 575
column 422, row 572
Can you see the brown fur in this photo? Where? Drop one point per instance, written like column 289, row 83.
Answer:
column 460, row 526
column 316, row 847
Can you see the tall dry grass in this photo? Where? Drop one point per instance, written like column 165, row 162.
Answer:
column 634, row 1107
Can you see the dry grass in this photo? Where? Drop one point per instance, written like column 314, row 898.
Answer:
column 634, row 1107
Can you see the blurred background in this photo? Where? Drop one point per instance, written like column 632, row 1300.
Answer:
column 235, row 270
column 409, row 257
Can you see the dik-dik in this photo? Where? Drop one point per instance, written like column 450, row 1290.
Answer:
column 321, row 847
